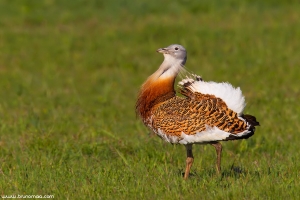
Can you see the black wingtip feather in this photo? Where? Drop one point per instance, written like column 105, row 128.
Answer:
column 251, row 120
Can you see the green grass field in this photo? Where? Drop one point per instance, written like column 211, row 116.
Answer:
column 70, row 72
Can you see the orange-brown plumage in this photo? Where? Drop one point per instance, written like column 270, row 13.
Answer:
column 153, row 92
column 210, row 112
column 177, row 115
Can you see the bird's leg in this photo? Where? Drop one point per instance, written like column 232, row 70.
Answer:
column 218, row 147
column 189, row 160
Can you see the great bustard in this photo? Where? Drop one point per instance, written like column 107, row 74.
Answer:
column 210, row 112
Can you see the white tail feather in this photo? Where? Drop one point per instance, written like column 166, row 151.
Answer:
column 232, row 96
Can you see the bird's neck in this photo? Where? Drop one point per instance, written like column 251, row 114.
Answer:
column 154, row 91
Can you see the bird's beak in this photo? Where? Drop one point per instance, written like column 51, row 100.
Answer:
column 162, row 50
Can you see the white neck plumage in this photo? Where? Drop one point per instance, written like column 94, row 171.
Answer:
column 169, row 68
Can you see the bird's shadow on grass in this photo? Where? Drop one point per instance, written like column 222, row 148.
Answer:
column 234, row 171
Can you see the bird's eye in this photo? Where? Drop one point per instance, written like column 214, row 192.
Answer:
column 176, row 48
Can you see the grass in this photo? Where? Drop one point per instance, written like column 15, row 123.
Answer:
column 69, row 76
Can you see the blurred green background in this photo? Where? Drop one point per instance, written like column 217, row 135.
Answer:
column 70, row 72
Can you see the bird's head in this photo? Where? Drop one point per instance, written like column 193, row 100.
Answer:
column 175, row 58
column 174, row 53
